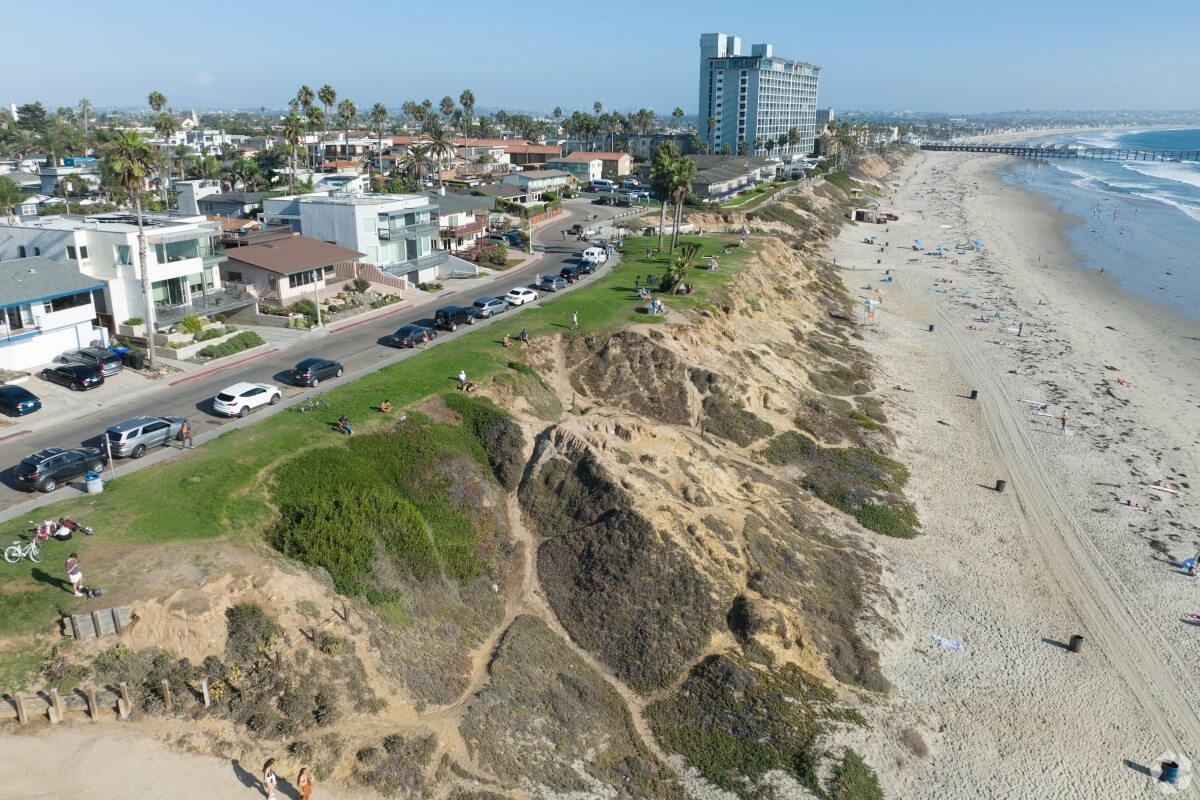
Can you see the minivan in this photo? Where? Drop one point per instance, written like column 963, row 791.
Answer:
column 603, row 185
column 101, row 358
column 132, row 437
column 450, row 317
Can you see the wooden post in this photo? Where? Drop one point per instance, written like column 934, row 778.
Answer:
column 123, row 706
column 166, row 694
column 204, row 692
column 55, row 712
column 93, row 709
column 22, row 715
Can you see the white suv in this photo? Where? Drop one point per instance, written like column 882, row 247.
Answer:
column 520, row 296
column 238, row 400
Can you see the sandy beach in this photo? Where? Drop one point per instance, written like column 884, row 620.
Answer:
column 1013, row 575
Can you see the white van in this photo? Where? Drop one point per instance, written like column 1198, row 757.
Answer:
column 603, row 185
column 595, row 255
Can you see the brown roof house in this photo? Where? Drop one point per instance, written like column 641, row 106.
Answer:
column 283, row 267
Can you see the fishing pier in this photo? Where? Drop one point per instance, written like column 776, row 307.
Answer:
column 1097, row 153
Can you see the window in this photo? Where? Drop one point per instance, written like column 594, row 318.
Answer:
column 20, row 251
column 122, row 255
column 37, row 251
column 230, row 275
column 302, row 278
column 71, row 254
column 70, row 301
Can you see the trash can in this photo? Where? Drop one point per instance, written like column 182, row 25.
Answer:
column 1075, row 644
column 93, row 481
column 136, row 359
column 1000, row 484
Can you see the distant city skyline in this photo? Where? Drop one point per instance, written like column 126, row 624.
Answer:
column 926, row 55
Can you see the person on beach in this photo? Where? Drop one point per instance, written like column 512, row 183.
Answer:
column 505, row 341
column 524, row 338
column 269, row 779
column 386, row 406
column 1020, row 328
column 574, row 320
column 1063, row 419
column 74, row 574
column 185, row 435
column 462, row 379
column 304, row 783
column 1195, row 565
column 424, row 339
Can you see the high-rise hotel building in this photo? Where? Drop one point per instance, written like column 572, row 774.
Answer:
column 755, row 98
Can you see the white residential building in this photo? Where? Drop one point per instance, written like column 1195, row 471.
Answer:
column 394, row 231
column 184, row 259
column 46, row 309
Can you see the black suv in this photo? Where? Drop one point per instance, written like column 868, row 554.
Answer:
column 569, row 274
column 450, row 317
column 311, row 371
column 48, row 469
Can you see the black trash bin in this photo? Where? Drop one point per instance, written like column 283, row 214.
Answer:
column 136, row 359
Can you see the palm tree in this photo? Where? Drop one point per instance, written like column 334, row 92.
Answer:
column 379, row 116
column 662, row 172
column 467, row 100
column 683, row 176
column 416, row 162
column 598, row 107
column 23, row 142
column 10, row 194
column 677, row 115
column 712, row 126
column 157, row 101
column 441, row 145
column 305, row 96
column 208, row 167
column 85, row 112
column 347, row 111
column 316, row 118
column 181, row 154
column 246, row 171
column 446, row 106
column 328, row 96
column 129, row 159
column 558, row 113
column 293, row 134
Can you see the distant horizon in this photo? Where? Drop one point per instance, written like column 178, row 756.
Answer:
column 925, row 54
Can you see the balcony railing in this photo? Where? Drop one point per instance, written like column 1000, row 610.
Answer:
column 465, row 230
column 402, row 268
column 230, row 297
column 408, row 231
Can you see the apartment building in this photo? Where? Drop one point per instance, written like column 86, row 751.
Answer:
column 755, row 98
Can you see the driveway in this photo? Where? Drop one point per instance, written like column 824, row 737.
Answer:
column 355, row 344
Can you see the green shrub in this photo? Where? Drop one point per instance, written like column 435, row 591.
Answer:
column 306, row 307
column 386, row 300
column 191, row 324
column 236, row 344
column 361, row 285
column 855, row 780
column 134, row 321
column 211, row 333
column 250, row 633
column 430, row 287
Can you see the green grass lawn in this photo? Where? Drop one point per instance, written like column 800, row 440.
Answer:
column 219, row 489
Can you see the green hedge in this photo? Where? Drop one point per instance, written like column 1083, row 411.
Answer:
column 243, row 341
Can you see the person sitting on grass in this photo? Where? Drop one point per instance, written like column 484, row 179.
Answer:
column 386, row 406
column 343, row 425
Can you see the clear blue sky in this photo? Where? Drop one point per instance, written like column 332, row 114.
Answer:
column 923, row 55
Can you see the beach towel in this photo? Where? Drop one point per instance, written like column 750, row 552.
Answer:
column 949, row 644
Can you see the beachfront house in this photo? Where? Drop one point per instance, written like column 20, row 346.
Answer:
column 46, row 309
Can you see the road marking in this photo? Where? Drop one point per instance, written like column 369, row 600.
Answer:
column 371, row 319
column 224, row 367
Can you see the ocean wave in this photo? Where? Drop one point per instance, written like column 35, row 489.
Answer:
column 1191, row 210
column 1176, row 171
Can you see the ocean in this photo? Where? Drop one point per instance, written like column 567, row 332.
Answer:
column 1141, row 219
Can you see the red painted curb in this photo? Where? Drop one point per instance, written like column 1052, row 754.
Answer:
column 447, row 294
column 223, row 367
column 355, row 324
column 13, row 435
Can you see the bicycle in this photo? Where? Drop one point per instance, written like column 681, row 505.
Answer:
column 309, row 406
column 19, row 549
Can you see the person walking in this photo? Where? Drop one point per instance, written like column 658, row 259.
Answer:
column 1063, row 419
column 269, row 779
column 185, row 435
column 304, row 783
column 424, row 339
column 574, row 320
column 462, row 379
column 74, row 574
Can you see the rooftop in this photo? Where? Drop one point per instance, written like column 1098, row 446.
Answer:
column 591, row 155
column 291, row 254
column 245, row 198
column 365, row 199
column 26, row 280
column 500, row 190
column 451, row 203
column 121, row 222
column 535, row 174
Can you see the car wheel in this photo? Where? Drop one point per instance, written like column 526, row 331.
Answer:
column 48, row 485
column 244, row 411
column 139, row 451
column 470, row 320
column 96, row 466
column 315, row 382
column 75, row 387
column 453, row 327
column 338, row 374
column 275, row 398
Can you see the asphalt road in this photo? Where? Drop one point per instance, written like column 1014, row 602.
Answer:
column 360, row 349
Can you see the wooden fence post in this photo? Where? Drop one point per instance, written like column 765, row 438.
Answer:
column 22, row 715
column 166, row 694
column 204, row 691
column 55, row 712
column 93, row 709
column 123, row 706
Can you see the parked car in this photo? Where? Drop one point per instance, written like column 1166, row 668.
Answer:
column 238, row 400
column 594, row 255
column 411, row 335
column 17, row 401
column 515, row 238
column 46, row 470
column 133, row 436
column 450, row 317
column 591, row 188
column 631, row 183
column 569, row 274
column 77, row 377
column 497, row 238
column 553, row 283
column 311, row 371
column 108, row 362
column 489, row 306
column 520, row 296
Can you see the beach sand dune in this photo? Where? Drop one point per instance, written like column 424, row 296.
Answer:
column 1013, row 575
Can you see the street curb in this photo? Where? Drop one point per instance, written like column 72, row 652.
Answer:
column 14, row 435
column 369, row 318
column 223, row 367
